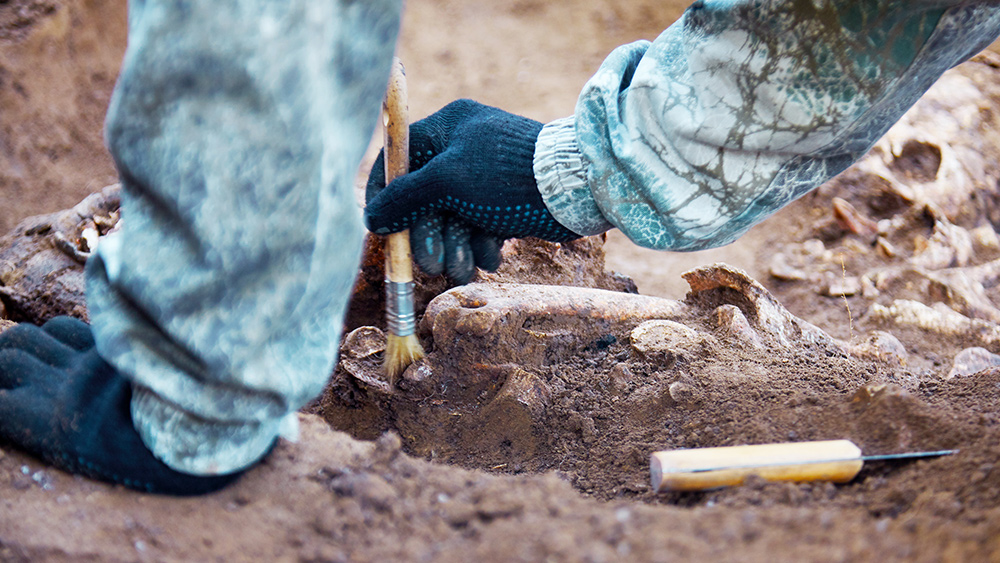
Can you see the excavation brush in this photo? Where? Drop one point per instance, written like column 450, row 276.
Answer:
column 402, row 347
column 701, row 469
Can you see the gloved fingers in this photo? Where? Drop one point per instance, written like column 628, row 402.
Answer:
column 427, row 243
column 38, row 343
column 459, row 260
column 19, row 367
column 23, row 418
column 486, row 250
column 70, row 331
column 440, row 125
column 445, row 242
column 429, row 137
column 427, row 140
column 424, row 146
column 408, row 198
column 80, row 420
column 108, row 447
column 17, row 335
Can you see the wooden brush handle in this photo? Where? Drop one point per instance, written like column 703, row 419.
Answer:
column 395, row 121
column 708, row 468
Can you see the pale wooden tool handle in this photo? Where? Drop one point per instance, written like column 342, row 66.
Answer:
column 708, row 468
column 395, row 121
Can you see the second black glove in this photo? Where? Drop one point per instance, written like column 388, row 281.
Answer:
column 471, row 185
column 60, row 401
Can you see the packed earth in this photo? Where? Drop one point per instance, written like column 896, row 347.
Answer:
column 866, row 311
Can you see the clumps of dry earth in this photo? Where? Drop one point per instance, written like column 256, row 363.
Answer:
column 907, row 239
column 526, row 432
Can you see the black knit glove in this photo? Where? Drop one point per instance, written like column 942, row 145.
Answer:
column 60, row 401
column 471, row 185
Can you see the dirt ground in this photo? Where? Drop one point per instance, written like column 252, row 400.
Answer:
column 863, row 311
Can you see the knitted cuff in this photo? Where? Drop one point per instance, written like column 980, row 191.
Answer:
column 561, row 175
column 201, row 447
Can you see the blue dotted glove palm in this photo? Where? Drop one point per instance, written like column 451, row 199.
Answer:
column 60, row 401
column 471, row 185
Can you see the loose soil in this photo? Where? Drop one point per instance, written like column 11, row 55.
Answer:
column 863, row 311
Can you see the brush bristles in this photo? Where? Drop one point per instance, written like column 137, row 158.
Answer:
column 400, row 352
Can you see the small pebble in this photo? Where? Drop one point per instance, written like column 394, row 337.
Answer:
column 623, row 515
column 684, row 393
column 973, row 360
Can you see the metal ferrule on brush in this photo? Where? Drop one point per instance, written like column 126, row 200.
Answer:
column 400, row 316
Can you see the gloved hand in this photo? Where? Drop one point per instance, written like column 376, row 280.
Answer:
column 471, row 185
column 60, row 401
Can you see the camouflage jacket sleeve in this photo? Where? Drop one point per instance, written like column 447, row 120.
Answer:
column 738, row 108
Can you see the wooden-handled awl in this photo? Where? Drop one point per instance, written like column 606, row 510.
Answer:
column 700, row 469
column 402, row 347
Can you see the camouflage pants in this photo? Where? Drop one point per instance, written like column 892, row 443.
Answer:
column 237, row 127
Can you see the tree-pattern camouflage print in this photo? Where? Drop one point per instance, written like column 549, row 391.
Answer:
column 237, row 127
column 742, row 106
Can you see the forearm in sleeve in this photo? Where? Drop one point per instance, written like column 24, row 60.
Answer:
column 738, row 108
